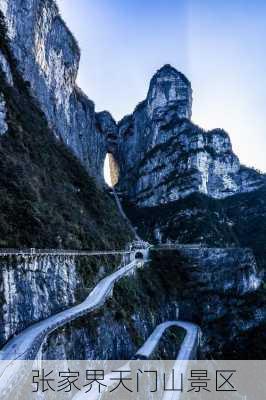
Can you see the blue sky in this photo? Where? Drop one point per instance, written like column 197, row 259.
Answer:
column 218, row 45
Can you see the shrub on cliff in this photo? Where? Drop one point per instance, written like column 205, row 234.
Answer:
column 47, row 199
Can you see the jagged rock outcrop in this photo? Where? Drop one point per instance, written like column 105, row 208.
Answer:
column 163, row 156
column 48, row 58
column 169, row 88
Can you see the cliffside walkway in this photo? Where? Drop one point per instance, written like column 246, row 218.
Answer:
column 59, row 252
column 137, row 244
column 191, row 246
column 173, row 246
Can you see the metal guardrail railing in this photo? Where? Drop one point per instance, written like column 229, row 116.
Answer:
column 57, row 252
column 183, row 246
column 192, row 246
column 65, row 252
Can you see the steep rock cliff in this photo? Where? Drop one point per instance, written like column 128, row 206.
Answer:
column 166, row 162
column 216, row 288
column 238, row 220
column 106, row 125
column 47, row 198
column 48, row 57
column 163, row 156
column 33, row 288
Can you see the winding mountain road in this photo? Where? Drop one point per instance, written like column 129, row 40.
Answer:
column 188, row 351
column 188, row 347
column 26, row 344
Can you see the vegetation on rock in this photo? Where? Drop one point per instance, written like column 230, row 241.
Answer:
column 47, row 199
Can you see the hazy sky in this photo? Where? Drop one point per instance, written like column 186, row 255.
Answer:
column 218, row 45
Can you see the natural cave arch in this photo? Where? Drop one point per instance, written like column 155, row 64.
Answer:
column 110, row 170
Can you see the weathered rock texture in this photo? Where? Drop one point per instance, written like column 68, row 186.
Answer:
column 48, row 57
column 3, row 124
column 47, row 200
column 107, row 127
column 164, row 159
column 216, row 288
column 224, row 294
column 164, row 156
column 33, row 288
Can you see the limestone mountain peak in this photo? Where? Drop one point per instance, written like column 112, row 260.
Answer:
column 169, row 87
column 169, row 70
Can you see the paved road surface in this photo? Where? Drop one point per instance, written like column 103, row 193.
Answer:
column 186, row 352
column 26, row 344
column 187, row 349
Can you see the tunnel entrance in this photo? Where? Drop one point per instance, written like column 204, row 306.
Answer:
column 110, row 170
column 139, row 256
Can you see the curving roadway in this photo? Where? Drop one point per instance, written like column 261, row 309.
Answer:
column 188, row 349
column 27, row 343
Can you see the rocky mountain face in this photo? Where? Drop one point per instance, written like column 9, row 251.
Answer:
column 164, row 156
column 47, row 200
column 231, row 306
column 179, row 184
column 27, row 284
column 47, row 197
column 160, row 152
column 33, row 288
column 182, row 184
column 48, row 58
